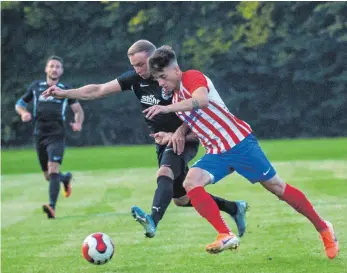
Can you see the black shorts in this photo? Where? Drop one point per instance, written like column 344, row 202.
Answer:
column 177, row 163
column 50, row 149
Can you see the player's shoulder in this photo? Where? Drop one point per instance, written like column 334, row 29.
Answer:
column 193, row 79
column 193, row 73
column 130, row 75
column 35, row 83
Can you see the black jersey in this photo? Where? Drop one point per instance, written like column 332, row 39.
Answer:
column 149, row 93
column 48, row 113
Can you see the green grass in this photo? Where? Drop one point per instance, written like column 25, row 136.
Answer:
column 277, row 239
column 24, row 161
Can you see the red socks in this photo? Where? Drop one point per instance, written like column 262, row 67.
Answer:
column 207, row 208
column 301, row 204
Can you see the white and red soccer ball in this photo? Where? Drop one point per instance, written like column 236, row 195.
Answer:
column 98, row 248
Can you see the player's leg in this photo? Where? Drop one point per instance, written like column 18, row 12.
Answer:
column 172, row 166
column 45, row 173
column 66, row 179
column 162, row 195
column 210, row 169
column 236, row 209
column 42, row 157
column 55, row 152
column 41, row 149
column 298, row 201
column 295, row 198
column 251, row 157
column 161, row 200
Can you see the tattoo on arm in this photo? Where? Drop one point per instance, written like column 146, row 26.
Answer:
column 195, row 104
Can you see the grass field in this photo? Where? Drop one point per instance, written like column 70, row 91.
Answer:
column 277, row 239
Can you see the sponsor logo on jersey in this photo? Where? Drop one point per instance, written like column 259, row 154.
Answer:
column 150, row 100
column 49, row 99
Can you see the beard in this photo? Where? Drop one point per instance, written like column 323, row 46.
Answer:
column 53, row 78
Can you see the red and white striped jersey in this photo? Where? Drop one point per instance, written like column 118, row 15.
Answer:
column 217, row 129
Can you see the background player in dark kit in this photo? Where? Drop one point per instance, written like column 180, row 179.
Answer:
column 49, row 129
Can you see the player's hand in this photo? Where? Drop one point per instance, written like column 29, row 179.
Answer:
column 54, row 91
column 177, row 141
column 161, row 138
column 26, row 117
column 76, row 127
column 154, row 110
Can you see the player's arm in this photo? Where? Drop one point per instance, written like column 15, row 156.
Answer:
column 164, row 138
column 178, row 139
column 183, row 129
column 21, row 105
column 87, row 92
column 79, row 116
column 199, row 100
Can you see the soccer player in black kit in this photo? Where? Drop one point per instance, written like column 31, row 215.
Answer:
column 49, row 129
column 174, row 144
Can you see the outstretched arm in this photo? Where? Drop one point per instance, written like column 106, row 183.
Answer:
column 87, row 92
column 199, row 100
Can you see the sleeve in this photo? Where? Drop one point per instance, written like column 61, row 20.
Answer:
column 27, row 97
column 193, row 79
column 127, row 79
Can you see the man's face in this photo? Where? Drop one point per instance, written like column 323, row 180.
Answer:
column 169, row 78
column 139, row 62
column 54, row 69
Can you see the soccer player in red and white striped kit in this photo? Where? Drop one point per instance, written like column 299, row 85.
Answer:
column 229, row 144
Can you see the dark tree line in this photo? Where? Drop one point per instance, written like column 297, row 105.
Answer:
column 281, row 66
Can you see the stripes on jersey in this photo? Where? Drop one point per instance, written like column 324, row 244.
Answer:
column 63, row 109
column 217, row 128
column 35, row 104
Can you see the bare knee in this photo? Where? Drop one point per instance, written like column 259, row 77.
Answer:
column 181, row 201
column 53, row 167
column 196, row 177
column 165, row 171
column 275, row 185
column 46, row 175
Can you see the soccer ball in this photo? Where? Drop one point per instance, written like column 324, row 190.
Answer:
column 98, row 248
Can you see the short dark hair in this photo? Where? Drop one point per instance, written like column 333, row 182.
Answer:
column 54, row 57
column 141, row 46
column 162, row 57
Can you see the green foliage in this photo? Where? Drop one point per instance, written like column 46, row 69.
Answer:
column 280, row 66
